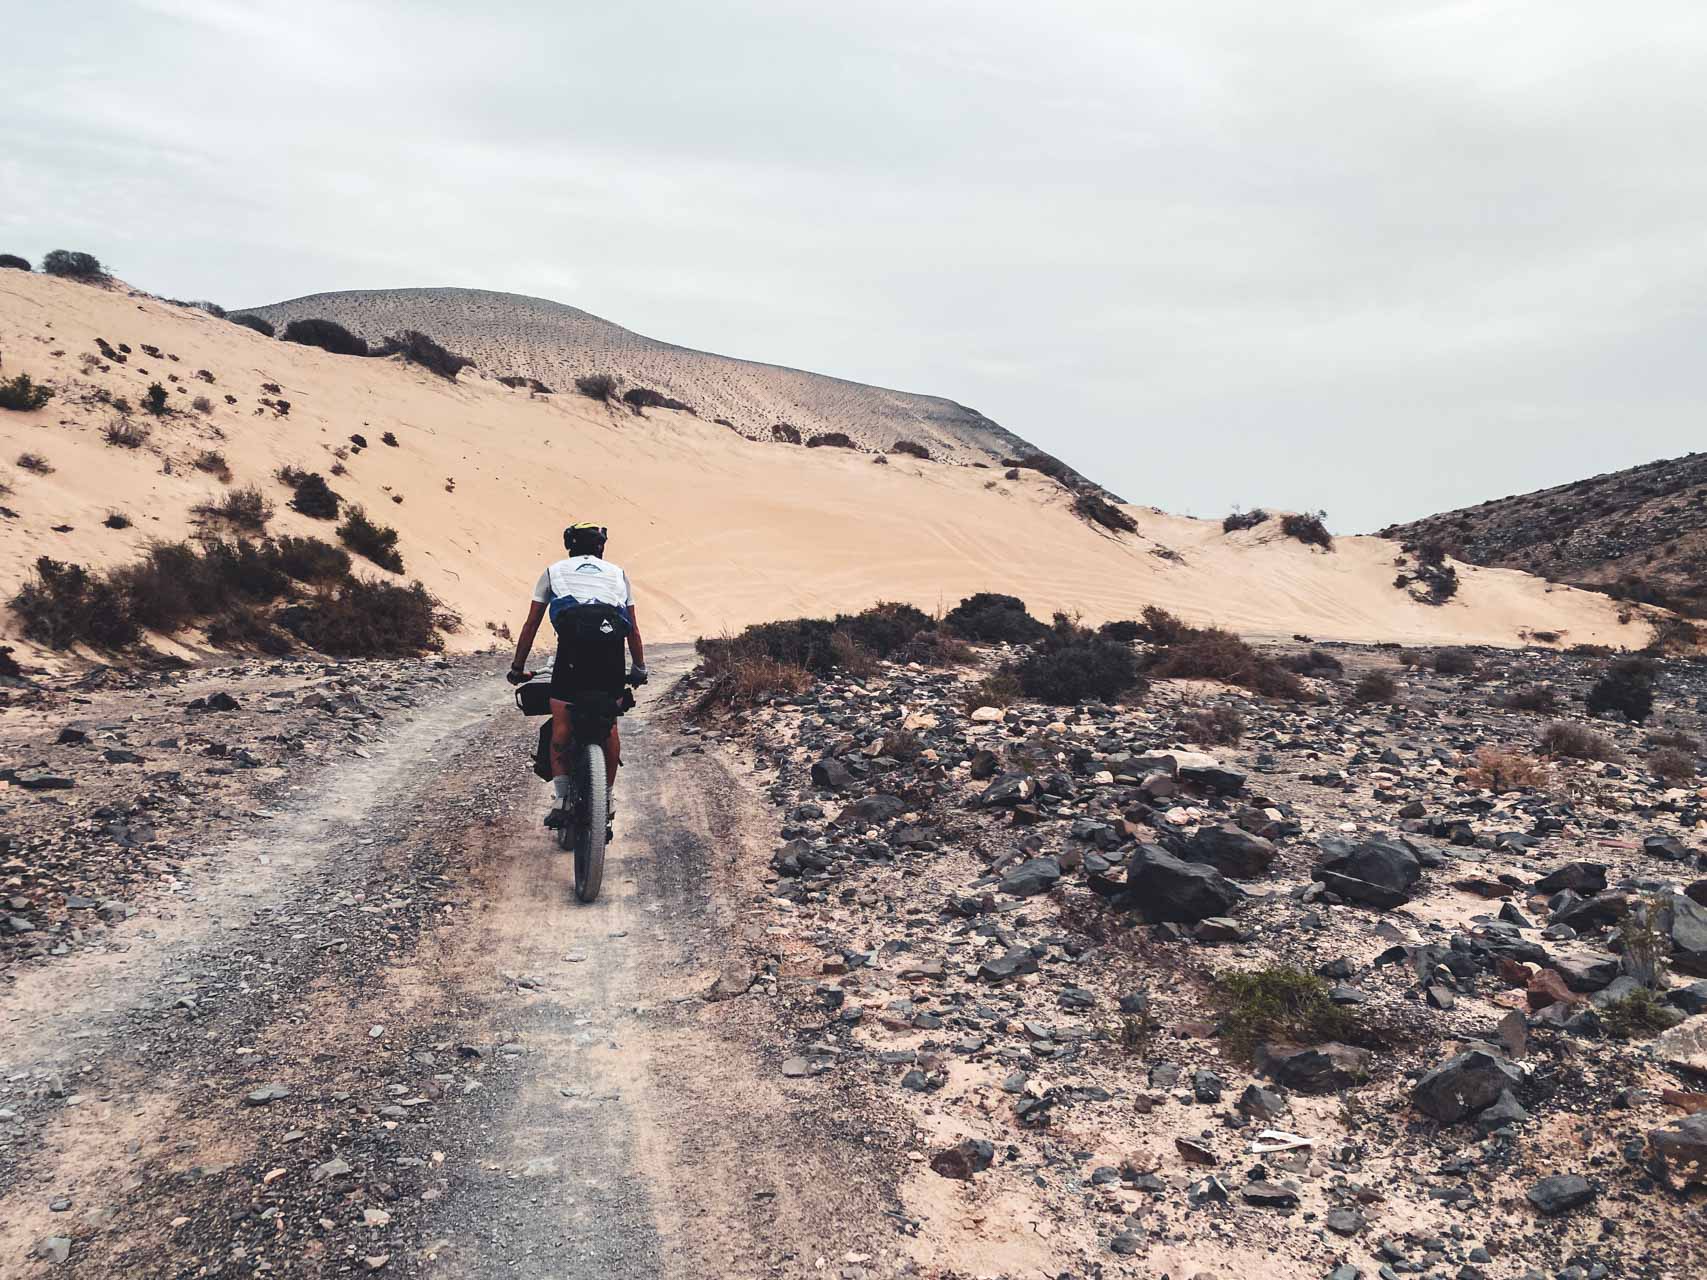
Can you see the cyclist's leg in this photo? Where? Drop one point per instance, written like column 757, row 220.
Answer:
column 613, row 756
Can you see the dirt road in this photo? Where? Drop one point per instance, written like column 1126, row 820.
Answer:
column 376, row 1034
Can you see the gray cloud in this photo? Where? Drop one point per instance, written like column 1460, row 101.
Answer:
column 1384, row 259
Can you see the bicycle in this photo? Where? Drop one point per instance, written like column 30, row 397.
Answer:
column 587, row 829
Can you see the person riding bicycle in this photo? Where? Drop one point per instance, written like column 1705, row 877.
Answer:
column 591, row 606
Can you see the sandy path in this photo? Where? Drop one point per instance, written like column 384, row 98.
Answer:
column 514, row 1085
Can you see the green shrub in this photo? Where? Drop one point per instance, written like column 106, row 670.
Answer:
column 328, row 335
column 884, row 628
column 1454, row 662
column 1641, row 1013
column 998, row 689
column 360, row 619
column 313, row 496
column 12, row 262
column 1308, row 529
column 311, row 560
column 246, row 508
column 1081, row 669
column 992, row 618
column 65, row 604
column 155, row 399
column 912, row 448
column 1097, row 510
column 22, row 394
column 377, row 542
column 1209, row 653
column 1243, row 520
column 72, row 265
column 1375, row 686
column 1279, row 1003
column 1627, row 688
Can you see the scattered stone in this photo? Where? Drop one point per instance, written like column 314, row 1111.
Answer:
column 1560, row 1194
column 965, row 1158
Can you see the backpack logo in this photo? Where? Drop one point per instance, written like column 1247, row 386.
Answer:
column 605, row 627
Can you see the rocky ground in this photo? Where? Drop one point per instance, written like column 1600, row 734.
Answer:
column 1007, row 935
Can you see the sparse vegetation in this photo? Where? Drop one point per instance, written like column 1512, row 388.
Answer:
column 389, row 438
column 1073, row 664
column 1313, row 663
column 213, row 462
column 596, row 386
column 1499, row 770
column 1243, row 520
column 1641, row 1013
column 12, row 262
column 116, row 520
column 1308, row 528
column 912, row 448
column 994, row 618
column 1627, row 688
column 1278, row 1003
column 417, row 348
column 201, row 404
column 1454, row 662
column 1218, row 725
column 831, row 440
column 998, row 689
column 35, row 463
column 259, row 325
column 782, row 433
column 1576, row 742
column 73, row 265
column 1209, row 653
column 1539, row 698
column 64, row 604
column 376, row 542
column 1671, row 766
column 1375, row 686
column 124, row 433
column 371, row 620
column 1098, row 510
column 639, row 398
column 328, row 335
column 23, row 395
column 247, row 509
column 155, row 399
column 313, row 496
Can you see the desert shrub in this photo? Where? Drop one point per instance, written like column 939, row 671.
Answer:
column 259, row 325
column 1219, row 724
column 1411, row 658
column 311, row 560
column 1308, row 529
column 1161, row 627
column 1313, row 663
column 328, row 335
column 155, row 399
column 1641, row 1013
column 64, row 604
column 73, row 265
column 1278, row 1003
column 1675, row 739
column 1494, row 769
column 377, row 542
column 117, row 520
column 213, row 462
column 246, row 508
column 12, row 262
column 998, row 689
column 359, row 619
column 390, row 438
column 1454, row 662
column 831, row 440
column 1074, row 665
column 912, row 448
column 1243, row 520
column 782, row 433
column 795, row 642
column 739, row 679
column 34, row 462
column 1674, row 635
column 639, row 398
column 246, row 627
column 991, row 617
column 1050, row 466
column 847, row 654
column 1126, row 630
column 1627, row 688
column 1591, row 651
column 313, row 497
column 1539, row 698
column 22, row 394
column 122, row 433
column 1576, row 742
column 1209, row 653
column 935, row 648
column 516, row 380
column 1096, row 509
column 1375, row 686
column 885, row 627
column 201, row 404
column 902, row 744
column 596, row 386
column 1671, row 766
column 417, row 348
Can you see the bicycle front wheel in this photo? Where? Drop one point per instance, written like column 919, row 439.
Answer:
column 594, row 813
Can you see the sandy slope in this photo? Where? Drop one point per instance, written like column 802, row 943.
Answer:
column 718, row 531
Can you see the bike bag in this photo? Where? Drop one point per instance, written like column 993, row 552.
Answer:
column 534, row 698
column 542, row 754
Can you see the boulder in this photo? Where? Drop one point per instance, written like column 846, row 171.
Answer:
column 1588, row 972
column 1683, row 1046
column 1688, row 933
column 871, row 810
column 1582, row 877
column 963, row 1159
column 1212, row 777
column 1009, row 789
column 1377, row 873
column 1018, row 961
column 1560, row 1194
column 1319, row 1068
column 1037, row 875
column 1465, row 1085
column 1160, row 887
column 1231, row 850
column 1593, row 913
column 832, row 774
column 1677, row 1152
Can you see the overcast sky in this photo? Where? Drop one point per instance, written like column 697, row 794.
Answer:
column 1376, row 256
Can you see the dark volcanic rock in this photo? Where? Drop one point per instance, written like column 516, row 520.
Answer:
column 1688, row 936
column 1583, row 877
column 1213, row 777
column 1231, row 850
column 1012, row 965
column 1560, row 1194
column 963, row 1159
column 832, row 774
column 871, row 810
column 1160, row 887
column 1320, row 1068
column 1678, row 1151
column 1465, row 1085
column 1377, row 873
column 1038, row 875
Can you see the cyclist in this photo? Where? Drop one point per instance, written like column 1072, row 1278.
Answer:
column 591, row 606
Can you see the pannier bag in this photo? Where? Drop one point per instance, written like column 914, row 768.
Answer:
column 534, row 698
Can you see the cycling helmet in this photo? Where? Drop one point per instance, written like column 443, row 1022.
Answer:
column 585, row 539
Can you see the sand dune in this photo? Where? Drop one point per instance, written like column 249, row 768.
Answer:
column 717, row 531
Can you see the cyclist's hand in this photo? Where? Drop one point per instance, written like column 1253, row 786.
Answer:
column 518, row 677
column 637, row 675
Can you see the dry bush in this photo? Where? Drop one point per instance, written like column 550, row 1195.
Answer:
column 998, row 689
column 34, row 462
column 831, row 440
column 1375, row 686
column 1499, row 769
column 417, row 348
column 65, row 604
column 246, row 508
column 936, row 648
column 1209, row 653
column 1313, row 663
column 201, row 404
column 359, row 619
column 377, row 542
column 1576, row 742
column 851, row 656
column 783, row 433
column 1243, row 520
column 1095, row 509
column 1454, row 662
column 1411, row 658
column 1539, row 698
column 1219, row 724
column 911, row 447
column 596, row 386
column 740, row 677
column 1675, row 739
column 1671, row 766
column 902, row 744
column 213, row 462
column 116, row 520
column 1308, row 528
column 122, row 433
column 328, row 335
column 22, row 394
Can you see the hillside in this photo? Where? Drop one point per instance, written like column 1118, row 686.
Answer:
column 1640, row 534
column 510, row 335
column 718, row 531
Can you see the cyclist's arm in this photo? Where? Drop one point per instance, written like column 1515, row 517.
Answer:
column 524, row 642
column 635, row 647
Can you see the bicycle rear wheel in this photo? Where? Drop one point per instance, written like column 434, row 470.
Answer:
column 592, row 814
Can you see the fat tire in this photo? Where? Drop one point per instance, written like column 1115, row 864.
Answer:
column 593, row 813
